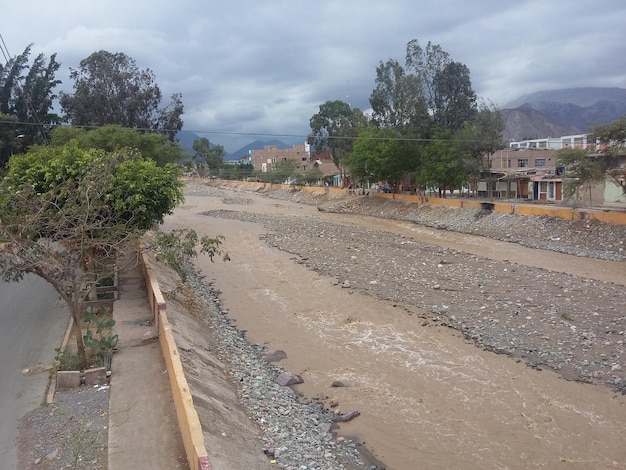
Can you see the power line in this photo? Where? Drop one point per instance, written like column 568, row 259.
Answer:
column 29, row 104
column 254, row 134
column 5, row 51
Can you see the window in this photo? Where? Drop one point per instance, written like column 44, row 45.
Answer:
column 304, row 159
column 540, row 162
column 522, row 162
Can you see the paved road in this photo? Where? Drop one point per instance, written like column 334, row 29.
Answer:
column 32, row 323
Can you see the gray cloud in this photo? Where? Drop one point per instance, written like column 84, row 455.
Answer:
column 251, row 68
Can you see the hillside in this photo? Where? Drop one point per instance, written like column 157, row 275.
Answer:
column 526, row 123
column 257, row 145
column 567, row 111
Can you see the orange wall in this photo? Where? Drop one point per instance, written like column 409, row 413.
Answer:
column 613, row 216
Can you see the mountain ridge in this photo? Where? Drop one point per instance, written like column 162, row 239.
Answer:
column 186, row 139
column 567, row 111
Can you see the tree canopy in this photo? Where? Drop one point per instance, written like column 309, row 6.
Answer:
column 612, row 151
column 422, row 105
column 380, row 156
column 237, row 171
column 397, row 101
column 334, row 129
column 444, row 85
column 209, row 156
column 109, row 88
column 26, row 102
column 441, row 166
column 599, row 163
column 112, row 138
column 61, row 206
column 139, row 191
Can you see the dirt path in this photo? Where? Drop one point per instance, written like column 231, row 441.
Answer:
column 428, row 398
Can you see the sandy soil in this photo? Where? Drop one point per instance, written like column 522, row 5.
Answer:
column 428, row 396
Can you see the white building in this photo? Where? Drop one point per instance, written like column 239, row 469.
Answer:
column 578, row 141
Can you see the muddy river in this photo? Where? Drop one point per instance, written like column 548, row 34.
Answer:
column 428, row 398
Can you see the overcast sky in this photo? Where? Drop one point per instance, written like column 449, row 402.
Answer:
column 247, row 68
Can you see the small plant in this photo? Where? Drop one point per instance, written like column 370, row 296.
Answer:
column 107, row 281
column 176, row 247
column 103, row 342
column 83, row 441
column 71, row 360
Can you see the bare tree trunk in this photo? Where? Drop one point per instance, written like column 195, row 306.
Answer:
column 77, row 331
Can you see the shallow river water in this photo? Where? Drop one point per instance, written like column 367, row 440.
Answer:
column 428, row 398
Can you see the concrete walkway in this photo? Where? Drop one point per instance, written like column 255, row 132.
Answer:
column 143, row 428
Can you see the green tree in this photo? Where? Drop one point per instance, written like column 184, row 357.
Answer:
column 399, row 107
column 26, row 102
column 10, row 142
column 334, row 128
column 397, row 102
column 237, row 171
column 309, row 177
column 480, row 140
column 442, row 168
column 211, row 156
column 380, row 156
column 611, row 154
column 111, row 138
column 445, row 85
column 430, row 92
column 583, row 170
column 454, row 101
column 284, row 170
column 69, row 212
column 111, row 89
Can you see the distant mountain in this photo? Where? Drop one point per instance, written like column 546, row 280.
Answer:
column 257, row 145
column 526, row 123
column 566, row 111
column 187, row 138
column 585, row 96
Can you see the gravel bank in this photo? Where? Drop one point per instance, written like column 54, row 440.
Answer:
column 549, row 319
column 545, row 318
column 295, row 434
column 71, row 433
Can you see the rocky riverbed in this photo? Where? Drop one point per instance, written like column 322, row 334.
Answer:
column 575, row 326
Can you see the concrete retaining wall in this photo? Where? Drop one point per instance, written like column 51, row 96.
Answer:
column 613, row 216
column 188, row 421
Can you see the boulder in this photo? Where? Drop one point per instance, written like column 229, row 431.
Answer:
column 288, row 378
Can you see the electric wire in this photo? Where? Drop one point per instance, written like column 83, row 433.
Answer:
column 253, row 134
column 29, row 103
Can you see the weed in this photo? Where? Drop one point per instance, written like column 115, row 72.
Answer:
column 103, row 342
column 70, row 360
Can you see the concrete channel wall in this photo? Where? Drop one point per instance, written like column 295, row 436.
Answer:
column 609, row 215
column 188, row 421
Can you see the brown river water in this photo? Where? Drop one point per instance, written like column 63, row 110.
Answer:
column 428, row 399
